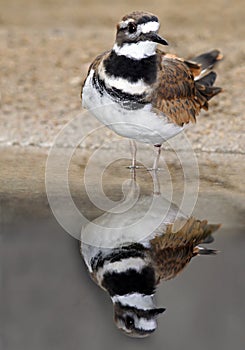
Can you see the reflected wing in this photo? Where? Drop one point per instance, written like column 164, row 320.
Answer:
column 172, row 251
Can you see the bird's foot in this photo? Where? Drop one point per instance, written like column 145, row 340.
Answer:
column 155, row 169
column 133, row 167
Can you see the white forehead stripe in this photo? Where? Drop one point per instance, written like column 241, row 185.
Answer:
column 123, row 24
column 149, row 27
column 144, row 27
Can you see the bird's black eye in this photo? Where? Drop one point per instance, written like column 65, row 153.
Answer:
column 132, row 28
column 129, row 322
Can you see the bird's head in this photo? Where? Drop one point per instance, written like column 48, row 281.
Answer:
column 137, row 35
column 136, row 321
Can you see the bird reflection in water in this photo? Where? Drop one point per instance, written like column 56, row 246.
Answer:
column 129, row 251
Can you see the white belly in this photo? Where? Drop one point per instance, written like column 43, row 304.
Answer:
column 142, row 124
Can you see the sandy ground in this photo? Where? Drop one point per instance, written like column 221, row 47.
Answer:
column 46, row 47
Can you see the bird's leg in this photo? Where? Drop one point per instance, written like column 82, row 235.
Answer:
column 157, row 149
column 133, row 174
column 155, row 178
column 133, row 150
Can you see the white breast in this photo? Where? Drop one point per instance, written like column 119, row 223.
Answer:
column 143, row 125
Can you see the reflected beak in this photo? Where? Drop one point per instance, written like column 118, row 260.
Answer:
column 156, row 38
column 157, row 311
column 162, row 309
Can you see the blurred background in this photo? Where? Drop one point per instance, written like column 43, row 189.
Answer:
column 47, row 298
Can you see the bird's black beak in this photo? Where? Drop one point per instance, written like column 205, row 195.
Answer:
column 156, row 38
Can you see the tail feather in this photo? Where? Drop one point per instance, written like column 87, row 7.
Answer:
column 205, row 93
column 208, row 239
column 208, row 59
column 204, row 251
column 208, row 79
column 205, row 80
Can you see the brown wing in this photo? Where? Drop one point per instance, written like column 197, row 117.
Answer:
column 172, row 251
column 177, row 94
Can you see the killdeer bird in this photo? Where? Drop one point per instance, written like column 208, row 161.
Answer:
column 129, row 258
column 143, row 93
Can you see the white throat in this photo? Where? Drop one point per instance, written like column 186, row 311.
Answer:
column 136, row 51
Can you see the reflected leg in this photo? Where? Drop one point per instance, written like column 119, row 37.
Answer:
column 157, row 149
column 156, row 183
column 133, row 150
